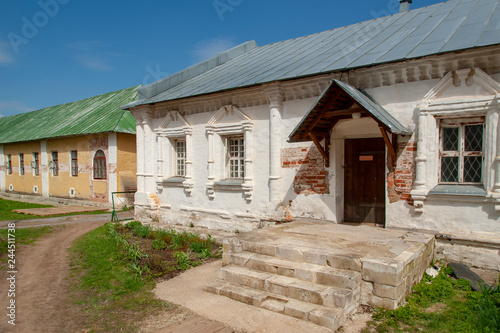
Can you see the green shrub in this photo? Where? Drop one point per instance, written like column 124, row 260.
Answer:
column 133, row 224
column 488, row 309
column 143, row 231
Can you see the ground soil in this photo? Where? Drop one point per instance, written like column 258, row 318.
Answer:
column 43, row 302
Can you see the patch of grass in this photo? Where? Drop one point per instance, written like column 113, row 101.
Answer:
column 7, row 207
column 114, row 297
column 441, row 304
column 23, row 236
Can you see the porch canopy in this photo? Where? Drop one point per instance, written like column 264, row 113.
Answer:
column 342, row 101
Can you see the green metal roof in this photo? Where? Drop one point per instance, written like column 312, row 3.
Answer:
column 88, row 116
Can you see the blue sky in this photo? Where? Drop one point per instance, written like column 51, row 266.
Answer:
column 59, row 51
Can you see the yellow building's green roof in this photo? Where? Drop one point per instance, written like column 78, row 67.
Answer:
column 92, row 115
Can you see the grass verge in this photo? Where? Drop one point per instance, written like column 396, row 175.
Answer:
column 7, row 213
column 114, row 298
column 442, row 304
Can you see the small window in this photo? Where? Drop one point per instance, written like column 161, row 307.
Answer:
column 21, row 164
column 74, row 163
column 236, row 157
column 461, row 151
column 99, row 165
column 35, row 164
column 55, row 163
column 9, row 164
column 180, row 158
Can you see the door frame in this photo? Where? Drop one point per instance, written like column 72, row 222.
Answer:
column 380, row 213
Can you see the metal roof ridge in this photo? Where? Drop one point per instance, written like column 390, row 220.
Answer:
column 173, row 80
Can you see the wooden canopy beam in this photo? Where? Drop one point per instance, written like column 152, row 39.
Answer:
column 388, row 143
column 321, row 113
column 323, row 151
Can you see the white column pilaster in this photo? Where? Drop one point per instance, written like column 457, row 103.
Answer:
column 211, row 162
column 188, row 181
column 139, row 137
column 160, row 139
column 149, row 185
column 419, row 191
column 275, row 96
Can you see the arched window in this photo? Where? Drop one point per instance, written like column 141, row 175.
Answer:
column 99, row 165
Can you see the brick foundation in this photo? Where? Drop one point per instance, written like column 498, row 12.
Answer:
column 400, row 178
column 311, row 175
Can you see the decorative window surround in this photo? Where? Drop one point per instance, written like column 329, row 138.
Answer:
column 165, row 138
column 483, row 101
column 216, row 132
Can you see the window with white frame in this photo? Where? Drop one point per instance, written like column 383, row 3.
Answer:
column 55, row 163
column 235, row 158
column 74, row 163
column 35, row 164
column 180, row 157
column 21, row 164
column 9, row 164
column 461, row 153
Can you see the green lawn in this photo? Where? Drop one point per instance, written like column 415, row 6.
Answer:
column 442, row 304
column 7, row 207
column 113, row 297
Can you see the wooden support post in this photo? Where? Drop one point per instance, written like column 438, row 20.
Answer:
column 388, row 143
column 321, row 150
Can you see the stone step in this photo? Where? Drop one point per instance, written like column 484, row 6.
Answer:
column 334, row 277
column 328, row 317
column 342, row 259
column 289, row 287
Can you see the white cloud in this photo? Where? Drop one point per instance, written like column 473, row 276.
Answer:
column 93, row 55
column 209, row 48
column 14, row 107
column 94, row 63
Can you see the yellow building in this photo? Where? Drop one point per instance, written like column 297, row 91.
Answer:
column 83, row 150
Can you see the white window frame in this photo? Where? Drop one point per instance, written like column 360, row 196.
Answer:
column 179, row 163
column 21, row 164
column 460, row 153
column 71, row 166
column 8, row 163
column 166, row 138
column 35, row 164
column 218, row 174
column 55, row 163
column 235, row 165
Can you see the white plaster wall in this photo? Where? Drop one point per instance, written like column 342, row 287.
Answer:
column 225, row 202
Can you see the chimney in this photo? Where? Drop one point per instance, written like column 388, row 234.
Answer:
column 404, row 5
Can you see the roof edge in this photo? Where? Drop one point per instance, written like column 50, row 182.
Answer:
column 173, row 80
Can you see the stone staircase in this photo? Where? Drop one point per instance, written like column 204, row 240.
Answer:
column 296, row 283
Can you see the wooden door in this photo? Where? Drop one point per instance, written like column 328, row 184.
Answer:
column 364, row 181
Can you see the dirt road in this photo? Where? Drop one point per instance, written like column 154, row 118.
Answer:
column 42, row 299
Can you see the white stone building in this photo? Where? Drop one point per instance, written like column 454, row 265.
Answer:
column 393, row 121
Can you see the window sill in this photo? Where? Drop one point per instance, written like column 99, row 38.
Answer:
column 459, row 190
column 229, row 182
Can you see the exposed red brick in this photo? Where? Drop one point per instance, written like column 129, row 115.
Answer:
column 311, row 175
